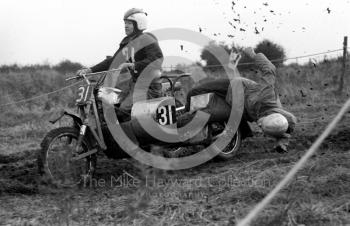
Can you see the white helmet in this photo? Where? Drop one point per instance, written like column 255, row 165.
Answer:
column 137, row 15
column 274, row 124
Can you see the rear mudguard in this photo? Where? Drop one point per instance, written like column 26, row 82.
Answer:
column 245, row 129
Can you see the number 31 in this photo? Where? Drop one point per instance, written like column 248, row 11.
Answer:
column 165, row 115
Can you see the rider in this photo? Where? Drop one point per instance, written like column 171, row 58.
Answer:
column 261, row 103
column 139, row 52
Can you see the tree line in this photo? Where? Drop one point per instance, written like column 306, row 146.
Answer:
column 212, row 54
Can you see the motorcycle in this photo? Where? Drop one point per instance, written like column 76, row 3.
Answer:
column 70, row 153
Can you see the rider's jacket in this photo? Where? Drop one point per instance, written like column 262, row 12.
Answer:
column 140, row 48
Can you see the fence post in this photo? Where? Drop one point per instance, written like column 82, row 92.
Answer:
column 345, row 49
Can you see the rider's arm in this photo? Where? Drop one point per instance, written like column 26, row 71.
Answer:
column 102, row 66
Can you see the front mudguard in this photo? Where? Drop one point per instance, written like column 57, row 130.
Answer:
column 77, row 122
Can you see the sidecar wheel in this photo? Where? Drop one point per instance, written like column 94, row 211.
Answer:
column 232, row 148
column 54, row 159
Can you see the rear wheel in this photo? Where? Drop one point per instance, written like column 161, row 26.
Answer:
column 232, row 148
column 55, row 162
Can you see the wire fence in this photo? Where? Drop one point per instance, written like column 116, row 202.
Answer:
column 275, row 60
column 40, row 96
column 66, row 87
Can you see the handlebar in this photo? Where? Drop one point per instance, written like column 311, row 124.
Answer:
column 177, row 76
column 71, row 78
column 90, row 74
column 173, row 82
column 113, row 89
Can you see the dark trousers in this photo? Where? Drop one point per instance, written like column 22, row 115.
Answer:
column 218, row 108
column 219, row 87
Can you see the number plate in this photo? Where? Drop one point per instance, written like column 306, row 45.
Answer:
column 166, row 115
column 83, row 94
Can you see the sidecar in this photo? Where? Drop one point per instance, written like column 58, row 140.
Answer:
column 164, row 122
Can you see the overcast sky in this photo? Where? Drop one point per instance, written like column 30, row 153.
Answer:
column 86, row 31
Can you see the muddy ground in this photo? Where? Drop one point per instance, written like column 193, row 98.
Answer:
column 216, row 193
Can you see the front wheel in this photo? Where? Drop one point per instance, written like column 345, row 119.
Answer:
column 54, row 159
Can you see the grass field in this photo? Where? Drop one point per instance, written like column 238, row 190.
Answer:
column 125, row 192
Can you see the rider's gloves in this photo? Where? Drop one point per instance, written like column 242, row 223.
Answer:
column 83, row 71
column 233, row 60
column 108, row 96
column 249, row 51
column 131, row 66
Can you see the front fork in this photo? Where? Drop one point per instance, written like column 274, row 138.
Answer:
column 83, row 127
column 86, row 125
column 81, row 136
column 77, row 156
